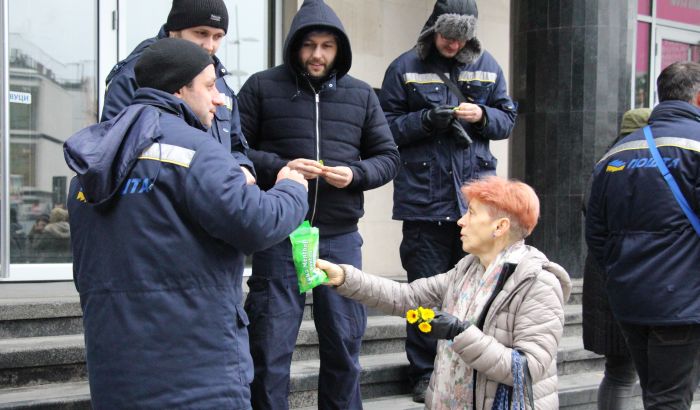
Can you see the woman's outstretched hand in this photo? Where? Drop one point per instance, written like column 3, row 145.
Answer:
column 336, row 275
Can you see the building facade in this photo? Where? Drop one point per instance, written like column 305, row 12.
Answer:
column 573, row 66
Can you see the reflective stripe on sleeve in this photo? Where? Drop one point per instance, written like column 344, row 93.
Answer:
column 171, row 154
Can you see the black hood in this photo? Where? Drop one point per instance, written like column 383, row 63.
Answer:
column 313, row 15
column 461, row 11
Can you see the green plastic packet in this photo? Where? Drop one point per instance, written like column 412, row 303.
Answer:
column 305, row 252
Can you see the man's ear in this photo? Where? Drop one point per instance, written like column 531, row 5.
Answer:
column 178, row 93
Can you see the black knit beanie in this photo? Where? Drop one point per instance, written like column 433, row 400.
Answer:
column 193, row 13
column 170, row 64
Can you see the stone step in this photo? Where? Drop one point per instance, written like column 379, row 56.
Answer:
column 41, row 360
column 394, row 402
column 384, row 334
column 40, row 317
column 38, row 360
column 573, row 321
column 576, row 392
column 572, row 358
column 382, row 375
column 63, row 396
column 576, row 291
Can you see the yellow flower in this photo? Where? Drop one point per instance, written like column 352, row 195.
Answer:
column 412, row 316
column 425, row 327
column 426, row 315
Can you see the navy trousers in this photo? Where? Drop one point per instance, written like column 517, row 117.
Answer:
column 427, row 249
column 667, row 359
column 275, row 309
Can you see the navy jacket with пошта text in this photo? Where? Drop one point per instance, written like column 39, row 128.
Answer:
column 161, row 217
column 435, row 165
column 636, row 229
column 226, row 128
column 287, row 115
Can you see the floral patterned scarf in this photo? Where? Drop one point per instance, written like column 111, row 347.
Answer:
column 452, row 378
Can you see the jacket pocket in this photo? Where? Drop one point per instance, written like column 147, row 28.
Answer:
column 479, row 162
column 477, row 93
column 418, row 187
column 433, row 94
column 221, row 127
column 485, row 165
column 244, row 363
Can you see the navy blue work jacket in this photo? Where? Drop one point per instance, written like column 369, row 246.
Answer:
column 434, row 166
column 161, row 218
column 226, row 128
column 636, row 229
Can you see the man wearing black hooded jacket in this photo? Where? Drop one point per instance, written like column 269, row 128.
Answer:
column 443, row 139
column 310, row 115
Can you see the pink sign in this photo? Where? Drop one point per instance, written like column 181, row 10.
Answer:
column 683, row 11
column 642, row 65
column 644, row 7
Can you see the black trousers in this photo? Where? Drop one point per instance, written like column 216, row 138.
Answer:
column 667, row 359
column 427, row 249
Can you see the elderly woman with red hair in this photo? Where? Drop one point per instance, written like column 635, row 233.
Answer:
column 502, row 305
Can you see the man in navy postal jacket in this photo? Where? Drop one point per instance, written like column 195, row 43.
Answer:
column 161, row 217
column 310, row 115
column 205, row 23
column 443, row 139
column 640, row 235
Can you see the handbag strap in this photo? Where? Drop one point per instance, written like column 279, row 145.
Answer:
column 513, row 398
column 528, row 383
column 661, row 165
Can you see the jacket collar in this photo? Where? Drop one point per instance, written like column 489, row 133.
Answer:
column 674, row 109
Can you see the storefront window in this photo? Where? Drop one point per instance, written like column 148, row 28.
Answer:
column 682, row 11
column 641, row 71
column 52, row 64
column 644, row 7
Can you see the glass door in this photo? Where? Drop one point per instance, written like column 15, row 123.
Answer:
column 675, row 44
column 53, row 87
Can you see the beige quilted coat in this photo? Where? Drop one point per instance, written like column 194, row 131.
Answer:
column 527, row 314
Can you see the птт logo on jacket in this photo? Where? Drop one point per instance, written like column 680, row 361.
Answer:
column 618, row 165
column 137, row 186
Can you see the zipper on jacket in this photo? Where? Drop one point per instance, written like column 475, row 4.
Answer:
column 318, row 151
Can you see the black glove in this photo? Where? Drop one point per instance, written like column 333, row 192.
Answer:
column 438, row 118
column 460, row 134
column 446, row 326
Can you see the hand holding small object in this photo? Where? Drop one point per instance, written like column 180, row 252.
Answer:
column 336, row 275
column 309, row 168
column 468, row 112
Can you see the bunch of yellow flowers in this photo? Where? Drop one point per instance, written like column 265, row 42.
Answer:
column 422, row 316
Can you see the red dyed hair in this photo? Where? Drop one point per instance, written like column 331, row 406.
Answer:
column 513, row 199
